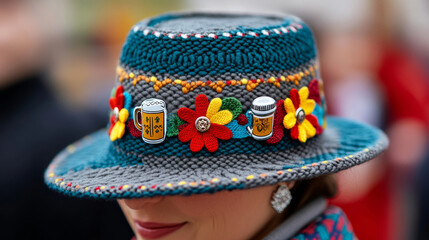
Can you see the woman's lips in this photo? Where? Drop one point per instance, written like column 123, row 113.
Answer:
column 156, row 230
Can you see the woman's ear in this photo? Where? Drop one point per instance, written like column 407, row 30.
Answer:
column 290, row 184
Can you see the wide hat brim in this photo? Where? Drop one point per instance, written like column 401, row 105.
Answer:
column 84, row 168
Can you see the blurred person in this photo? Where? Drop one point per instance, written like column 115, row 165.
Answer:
column 399, row 105
column 34, row 125
column 209, row 143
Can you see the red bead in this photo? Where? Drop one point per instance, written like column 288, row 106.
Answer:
column 69, row 184
column 112, row 187
column 208, row 82
column 97, row 188
column 254, row 81
column 120, row 187
column 153, row 187
column 228, row 82
column 242, row 119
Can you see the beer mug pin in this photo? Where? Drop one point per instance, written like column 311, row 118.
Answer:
column 153, row 125
column 262, row 110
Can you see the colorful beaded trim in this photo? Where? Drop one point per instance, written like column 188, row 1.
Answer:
column 60, row 181
column 293, row 28
column 218, row 86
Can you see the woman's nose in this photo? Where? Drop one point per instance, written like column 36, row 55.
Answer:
column 138, row 203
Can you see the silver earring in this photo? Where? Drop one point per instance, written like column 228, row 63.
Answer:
column 281, row 198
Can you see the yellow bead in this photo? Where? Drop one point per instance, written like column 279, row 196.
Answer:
column 169, row 185
column 178, row 81
column 71, row 148
column 153, row 79
column 142, row 187
column 250, row 177
column 325, row 162
column 304, row 167
column 282, row 78
column 244, row 81
column 51, row 174
column 182, row 183
column 125, row 186
column 289, row 170
column 103, row 187
column 132, row 75
column 86, row 188
column 57, row 180
column 350, row 156
column 234, row 179
column 215, row 180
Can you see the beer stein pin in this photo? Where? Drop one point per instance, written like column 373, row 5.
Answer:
column 262, row 110
column 153, row 125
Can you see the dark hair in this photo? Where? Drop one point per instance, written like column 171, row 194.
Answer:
column 305, row 191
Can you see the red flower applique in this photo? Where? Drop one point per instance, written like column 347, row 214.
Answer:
column 313, row 88
column 298, row 119
column 278, row 129
column 205, row 124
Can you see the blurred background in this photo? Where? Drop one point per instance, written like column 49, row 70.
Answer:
column 57, row 67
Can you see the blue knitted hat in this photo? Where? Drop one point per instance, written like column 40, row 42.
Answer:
column 210, row 102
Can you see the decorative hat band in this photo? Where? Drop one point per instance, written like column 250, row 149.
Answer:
column 301, row 115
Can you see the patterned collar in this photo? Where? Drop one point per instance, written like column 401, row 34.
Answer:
column 315, row 221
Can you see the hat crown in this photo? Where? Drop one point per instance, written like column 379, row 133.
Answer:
column 231, row 59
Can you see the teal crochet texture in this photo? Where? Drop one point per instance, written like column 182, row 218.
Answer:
column 208, row 56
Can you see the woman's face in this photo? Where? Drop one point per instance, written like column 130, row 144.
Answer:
column 239, row 214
